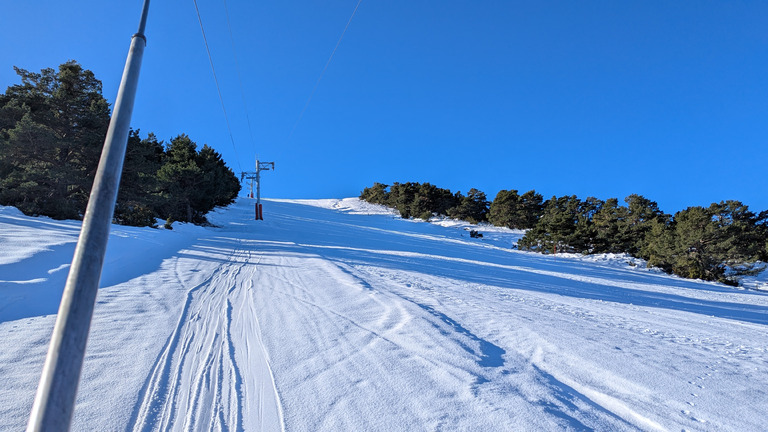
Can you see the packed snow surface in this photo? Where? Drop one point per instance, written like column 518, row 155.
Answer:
column 336, row 315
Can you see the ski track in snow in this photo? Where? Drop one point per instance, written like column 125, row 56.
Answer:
column 335, row 315
column 197, row 383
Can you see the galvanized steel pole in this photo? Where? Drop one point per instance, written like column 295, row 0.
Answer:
column 258, row 182
column 55, row 399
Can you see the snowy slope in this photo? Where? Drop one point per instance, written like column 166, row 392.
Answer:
column 336, row 315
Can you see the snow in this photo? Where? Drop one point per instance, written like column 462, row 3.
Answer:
column 338, row 315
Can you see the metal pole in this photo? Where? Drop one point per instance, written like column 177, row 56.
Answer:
column 55, row 398
column 258, row 182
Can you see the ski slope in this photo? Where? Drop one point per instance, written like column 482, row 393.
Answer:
column 335, row 315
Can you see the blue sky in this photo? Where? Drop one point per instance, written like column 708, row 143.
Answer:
column 594, row 98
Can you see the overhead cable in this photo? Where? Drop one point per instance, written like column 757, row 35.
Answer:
column 301, row 115
column 239, row 77
column 216, row 80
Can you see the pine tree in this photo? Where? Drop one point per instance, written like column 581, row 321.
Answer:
column 640, row 213
column 718, row 243
column 138, row 199
column 472, row 208
column 511, row 210
column 762, row 227
column 179, row 180
column 429, row 200
column 565, row 226
column 52, row 128
column 220, row 185
column 503, row 209
column 583, row 238
column 423, row 204
column 658, row 247
column 27, row 161
column 530, row 209
column 610, row 228
column 401, row 197
column 377, row 194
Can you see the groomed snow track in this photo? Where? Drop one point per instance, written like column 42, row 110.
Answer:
column 334, row 315
column 196, row 383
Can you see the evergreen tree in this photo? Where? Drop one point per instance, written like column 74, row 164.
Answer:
column 138, row 199
column 554, row 226
column 502, row 211
column 659, row 244
column 444, row 200
column 762, row 227
column 565, row 226
column 694, row 237
column 511, row 210
column 377, row 194
column 430, row 199
column 718, row 243
column 179, row 180
column 739, row 239
column 52, row 128
column 27, row 159
column 423, row 203
column 401, row 197
column 610, row 228
column 412, row 199
column 220, row 185
column 623, row 229
column 640, row 213
column 530, row 209
column 583, row 238
column 722, row 242
column 472, row 208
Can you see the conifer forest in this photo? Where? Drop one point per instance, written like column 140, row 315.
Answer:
column 52, row 128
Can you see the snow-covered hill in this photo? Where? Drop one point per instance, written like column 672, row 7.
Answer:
column 335, row 315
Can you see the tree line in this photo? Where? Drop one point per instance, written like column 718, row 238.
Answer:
column 52, row 128
column 722, row 242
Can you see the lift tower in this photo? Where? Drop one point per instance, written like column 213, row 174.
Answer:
column 256, row 175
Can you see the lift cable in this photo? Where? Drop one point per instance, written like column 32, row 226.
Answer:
column 301, row 115
column 239, row 77
column 218, row 88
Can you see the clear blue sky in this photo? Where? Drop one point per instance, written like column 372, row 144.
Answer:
column 593, row 98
